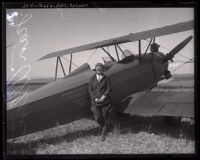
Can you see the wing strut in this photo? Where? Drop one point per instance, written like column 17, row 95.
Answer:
column 117, row 52
column 62, row 66
column 148, row 46
column 70, row 63
column 108, row 54
column 154, row 39
column 56, row 71
column 56, row 68
column 139, row 42
column 121, row 50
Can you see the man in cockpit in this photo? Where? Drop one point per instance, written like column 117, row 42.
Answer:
column 99, row 91
column 155, row 50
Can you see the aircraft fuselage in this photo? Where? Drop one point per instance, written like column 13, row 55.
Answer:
column 67, row 100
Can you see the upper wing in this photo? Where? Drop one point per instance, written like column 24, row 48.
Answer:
column 170, row 29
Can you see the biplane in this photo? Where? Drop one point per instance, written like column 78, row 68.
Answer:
column 67, row 99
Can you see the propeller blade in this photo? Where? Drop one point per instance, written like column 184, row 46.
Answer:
column 176, row 49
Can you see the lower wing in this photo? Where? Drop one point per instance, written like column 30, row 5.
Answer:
column 177, row 104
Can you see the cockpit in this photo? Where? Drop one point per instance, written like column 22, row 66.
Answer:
column 127, row 59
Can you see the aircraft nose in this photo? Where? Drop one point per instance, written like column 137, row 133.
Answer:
column 175, row 50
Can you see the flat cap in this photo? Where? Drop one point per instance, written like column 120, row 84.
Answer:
column 155, row 45
column 98, row 64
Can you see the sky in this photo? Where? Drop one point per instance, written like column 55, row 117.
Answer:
column 34, row 33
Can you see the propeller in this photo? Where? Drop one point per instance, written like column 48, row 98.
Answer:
column 176, row 49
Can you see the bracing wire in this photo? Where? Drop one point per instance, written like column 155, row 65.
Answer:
column 183, row 56
column 91, row 55
column 181, row 65
column 164, row 47
column 134, row 51
column 145, row 45
column 69, row 61
column 129, row 49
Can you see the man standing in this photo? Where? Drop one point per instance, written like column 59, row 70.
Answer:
column 99, row 91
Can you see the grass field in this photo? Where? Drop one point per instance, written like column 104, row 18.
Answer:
column 129, row 135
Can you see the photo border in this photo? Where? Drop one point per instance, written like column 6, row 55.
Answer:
column 99, row 4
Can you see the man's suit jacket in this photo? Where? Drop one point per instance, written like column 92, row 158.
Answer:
column 97, row 89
